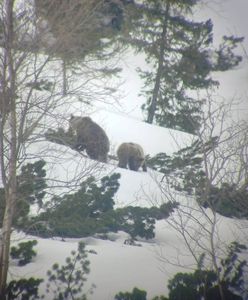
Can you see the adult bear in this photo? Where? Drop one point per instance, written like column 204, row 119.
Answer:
column 131, row 155
column 90, row 137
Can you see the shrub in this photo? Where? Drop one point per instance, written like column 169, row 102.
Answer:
column 67, row 281
column 136, row 294
column 23, row 289
column 24, row 252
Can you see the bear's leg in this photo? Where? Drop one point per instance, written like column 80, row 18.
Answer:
column 133, row 164
column 80, row 144
column 144, row 167
column 92, row 153
column 103, row 157
column 123, row 162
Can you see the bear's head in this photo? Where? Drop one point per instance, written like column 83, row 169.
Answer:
column 76, row 121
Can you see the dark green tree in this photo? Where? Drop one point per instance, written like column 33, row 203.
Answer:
column 31, row 185
column 67, row 281
column 207, row 284
column 90, row 210
column 228, row 284
column 82, row 213
column 140, row 221
column 186, row 165
column 24, row 252
column 228, row 200
column 23, row 289
column 182, row 59
column 136, row 294
column 80, row 30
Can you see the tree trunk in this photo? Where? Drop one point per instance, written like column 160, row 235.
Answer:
column 10, row 185
column 155, row 94
column 5, row 236
column 64, row 92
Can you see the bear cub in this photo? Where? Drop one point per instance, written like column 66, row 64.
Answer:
column 131, row 155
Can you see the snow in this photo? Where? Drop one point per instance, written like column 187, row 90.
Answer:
column 115, row 266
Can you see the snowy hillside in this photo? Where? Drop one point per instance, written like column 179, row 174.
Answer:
column 137, row 188
column 115, row 266
column 118, row 267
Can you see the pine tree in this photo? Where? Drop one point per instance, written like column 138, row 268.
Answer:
column 136, row 294
column 75, row 28
column 185, row 165
column 24, row 252
column 76, row 31
column 31, row 185
column 82, row 213
column 67, row 281
column 204, row 283
column 23, row 289
column 181, row 55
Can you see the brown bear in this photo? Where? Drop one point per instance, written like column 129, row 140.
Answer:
column 90, row 137
column 131, row 155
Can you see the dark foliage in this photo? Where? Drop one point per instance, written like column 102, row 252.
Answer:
column 203, row 283
column 138, row 221
column 31, row 185
column 67, row 281
column 182, row 58
column 24, row 252
column 191, row 286
column 92, row 21
column 136, row 294
column 23, row 289
column 62, row 137
column 80, row 214
column 186, row 166
column 91, row 210
column 228, row 200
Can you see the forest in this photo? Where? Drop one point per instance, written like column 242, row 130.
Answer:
column 124, row 170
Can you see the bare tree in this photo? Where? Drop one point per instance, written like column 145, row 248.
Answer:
column 197, row 220
column 30, row 91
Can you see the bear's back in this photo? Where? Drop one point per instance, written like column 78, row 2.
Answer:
column 130, row 149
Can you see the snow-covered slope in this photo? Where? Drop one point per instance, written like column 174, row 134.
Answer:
column 67, row 168
column 116, row 266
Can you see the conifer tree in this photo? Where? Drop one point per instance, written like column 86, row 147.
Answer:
column 31, row 185
column 182, row 58
column 76, row 31
column 67, row 281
